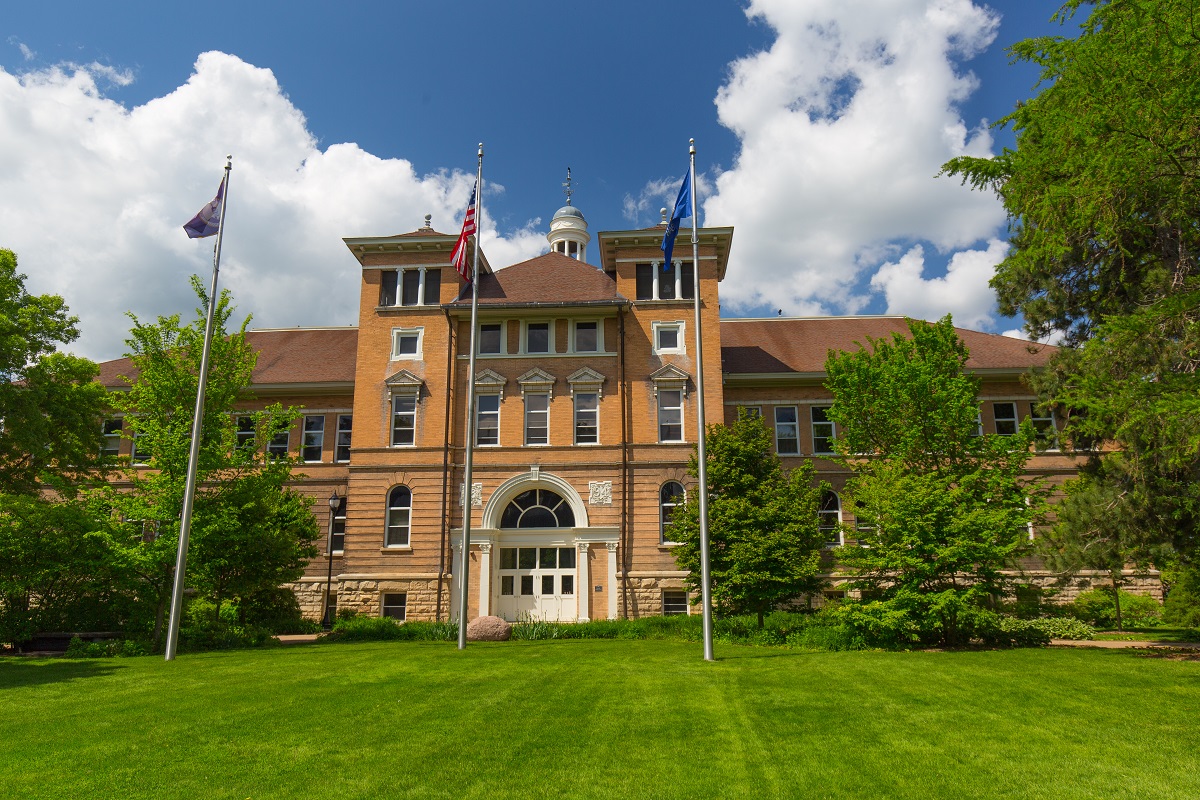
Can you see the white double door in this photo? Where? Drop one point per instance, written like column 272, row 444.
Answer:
column 537, row 582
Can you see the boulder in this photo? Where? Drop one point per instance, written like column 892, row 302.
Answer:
column 488, row 629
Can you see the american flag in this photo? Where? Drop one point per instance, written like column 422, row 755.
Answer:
column 459, row 257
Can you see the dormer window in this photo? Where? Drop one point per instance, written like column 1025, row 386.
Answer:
column 659, row 281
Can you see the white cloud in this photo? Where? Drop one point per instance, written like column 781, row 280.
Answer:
column 844, row 123
column 95, row 195
column 963, row 291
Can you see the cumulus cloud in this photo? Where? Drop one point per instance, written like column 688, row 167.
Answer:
column 95, row 195
column 963, row 291
column 844, row 123
column 646, row 207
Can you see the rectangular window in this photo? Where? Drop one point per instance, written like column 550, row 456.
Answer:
column 666, row 281
column 674, row 603
column 141, row 452
column 978, row 430
column 527, row 586
column 645, row 281
column 404, row 420
column 567, row 583
column 668, row 337
column 787, row 431
column 345, row 427
column 112, row 436
column 245, row 433
column 822, row 430
column 586, row 337
column 687, row 280
column 537, row 419
column 337, row 536
column 406, row 342
column 487, row 420
column 587, row 418
column 537, row 337
column 670, row 415
column 314, row 438
column 1047, row 432
column 751, row 411
column 490, row 338
column 410, row 287
column 394, row 606
column 278, row 446
column 1005, row 415
column 433, row 287
column 387, row 287
column 506, row 585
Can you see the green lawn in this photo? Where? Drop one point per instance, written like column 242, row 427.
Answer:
column 1150, row 635
column 601, row 719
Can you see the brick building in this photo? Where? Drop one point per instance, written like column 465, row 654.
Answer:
column 585, row 419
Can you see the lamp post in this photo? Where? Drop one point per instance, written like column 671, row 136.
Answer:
column 327, row 616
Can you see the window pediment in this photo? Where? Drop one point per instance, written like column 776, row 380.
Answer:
column 404, row 382
column 537, row 380
column 489, row 381
column 670, row 377
column 586, row 379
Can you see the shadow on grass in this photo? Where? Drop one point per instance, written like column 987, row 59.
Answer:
column 15, row 672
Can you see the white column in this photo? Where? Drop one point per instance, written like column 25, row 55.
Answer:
column 421, row 287
column 654, row 265
column 678, row 279
column 485, row 578
column 455, row 577
column 583, row 587
column 612, row 579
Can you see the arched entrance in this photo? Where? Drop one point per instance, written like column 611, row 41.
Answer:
column 534, row 548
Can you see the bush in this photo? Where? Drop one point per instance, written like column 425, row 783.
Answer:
column 1064, row 628
column 118, row 648
column 1096, row 606
column 355, row 628
column 278, row 611
column 1182, row 606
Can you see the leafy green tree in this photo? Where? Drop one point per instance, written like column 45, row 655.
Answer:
column 1103, row 194
column 250, row 529
column 56, row 571
column 941, row 511
column 49, row 406
column 764, row 541
column 1102, row 189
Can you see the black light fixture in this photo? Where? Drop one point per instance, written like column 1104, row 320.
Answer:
column 327, row 617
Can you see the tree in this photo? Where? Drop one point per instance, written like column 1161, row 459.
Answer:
column 50, row 407
column 1103, row 196
column 250, row 529
column 764, row 542
column 941, row 511
column 1102, row 189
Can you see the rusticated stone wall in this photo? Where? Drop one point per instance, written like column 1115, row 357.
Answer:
column 642, row 594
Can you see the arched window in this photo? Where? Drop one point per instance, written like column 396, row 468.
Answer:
column 670, row 497
column 538, row 508
column 829, row 518
column 399, row 517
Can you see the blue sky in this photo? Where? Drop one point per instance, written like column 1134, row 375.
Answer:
column 819, row 126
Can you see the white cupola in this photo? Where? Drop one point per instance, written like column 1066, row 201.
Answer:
column 568, row 229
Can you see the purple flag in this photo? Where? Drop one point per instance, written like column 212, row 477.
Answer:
column 208, row 221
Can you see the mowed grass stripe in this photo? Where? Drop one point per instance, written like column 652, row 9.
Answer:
column 601, row 719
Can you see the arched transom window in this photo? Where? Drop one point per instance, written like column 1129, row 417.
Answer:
column 538, row 508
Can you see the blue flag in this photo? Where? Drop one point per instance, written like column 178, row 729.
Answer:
column 208, row 221
column 683, row 208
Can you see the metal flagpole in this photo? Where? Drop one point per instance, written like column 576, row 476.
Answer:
column 189, row 493
column 705, row 577
column 464, row 584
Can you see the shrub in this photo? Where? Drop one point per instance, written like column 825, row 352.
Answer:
column 118, row 648
column 356, row 628
column 278, row 611
column 1182, row 606
column 1064, row 628
column 1096, row 606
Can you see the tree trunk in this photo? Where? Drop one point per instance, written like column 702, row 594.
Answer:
column 158, row 621
column 760, row 619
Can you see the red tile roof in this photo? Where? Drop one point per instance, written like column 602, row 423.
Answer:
column 551, row 278
column 762, row 346
column 285, row 356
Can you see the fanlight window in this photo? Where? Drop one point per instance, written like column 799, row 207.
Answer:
column 538, row 508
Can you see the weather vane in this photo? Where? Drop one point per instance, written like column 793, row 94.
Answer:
column 567, row 190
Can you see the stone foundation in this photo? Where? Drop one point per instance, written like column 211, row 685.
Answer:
column 366, row 596
column 1149, row 584
column 642, row 596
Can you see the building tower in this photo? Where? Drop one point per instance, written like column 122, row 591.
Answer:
column 568, row 229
